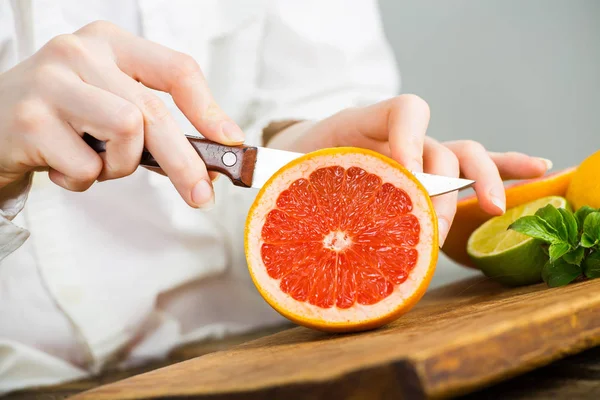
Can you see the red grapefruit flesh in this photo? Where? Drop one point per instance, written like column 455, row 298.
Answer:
column 342, row 239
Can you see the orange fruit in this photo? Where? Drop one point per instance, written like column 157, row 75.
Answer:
column 584, row 189
column 342, row 239
column 469, row 216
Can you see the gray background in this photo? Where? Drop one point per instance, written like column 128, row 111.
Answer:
column 512, row 74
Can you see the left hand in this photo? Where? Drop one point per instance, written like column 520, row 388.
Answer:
column 397, row 128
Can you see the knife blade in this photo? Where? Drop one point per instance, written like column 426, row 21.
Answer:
column 269, row 161
column 252, row 166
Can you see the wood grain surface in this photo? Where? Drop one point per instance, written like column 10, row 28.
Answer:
column 459, row 338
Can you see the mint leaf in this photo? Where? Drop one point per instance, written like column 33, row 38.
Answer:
column 571, row 225
column 591, row 265
column 554, row 218
column 557, row 250
column 591, row 230
column 587, row 241
column 536, row 227
column 575, row 256
column 560, row 273
column 581, row 214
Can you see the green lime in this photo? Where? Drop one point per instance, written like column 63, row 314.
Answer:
column 506, row 256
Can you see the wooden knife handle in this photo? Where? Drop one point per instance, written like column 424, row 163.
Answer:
column 235, row 162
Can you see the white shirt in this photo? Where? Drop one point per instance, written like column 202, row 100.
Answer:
column 126, row 271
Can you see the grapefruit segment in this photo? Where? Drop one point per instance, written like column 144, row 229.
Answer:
column 327, row 185
column 391, row 202
column 282, row 227
column 322, row 292
column 280, row 259
column 345, row 282
column 299, row 200
column 342, row 239
column 360, row 190
column 394, row 262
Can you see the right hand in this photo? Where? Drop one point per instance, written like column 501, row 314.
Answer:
column 88, row 82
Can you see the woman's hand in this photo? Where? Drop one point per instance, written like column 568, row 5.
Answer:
column 397, row 128
column 90, row 82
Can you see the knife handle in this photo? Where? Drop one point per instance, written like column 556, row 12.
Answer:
column 235, row 162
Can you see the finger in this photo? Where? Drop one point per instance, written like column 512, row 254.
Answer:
column 73, row 164
column 107, row 117
column 165, row 141
column 379, row 147
column 214, row 176
column 161, row 68
column 408, row 121
column 401, row 121
column 440, row 160
column 514, row 165
column 476, row 164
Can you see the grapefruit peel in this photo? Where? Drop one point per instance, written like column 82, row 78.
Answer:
column 357, row 317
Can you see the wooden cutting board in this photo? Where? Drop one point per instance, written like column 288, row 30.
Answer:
column 457, row 339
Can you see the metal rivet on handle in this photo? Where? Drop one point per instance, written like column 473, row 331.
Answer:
column 229, row 159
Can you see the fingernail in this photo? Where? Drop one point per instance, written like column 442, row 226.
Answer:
column 498, row 200
column 232, row 131
column 202, row 195
column 443, row 229
column 548, row 163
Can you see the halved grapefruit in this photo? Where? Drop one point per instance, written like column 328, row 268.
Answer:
column 469, row 215
column 342, row 239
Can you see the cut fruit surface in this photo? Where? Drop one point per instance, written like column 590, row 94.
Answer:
column 469, row 216
column 342, row 239
column 506, row 255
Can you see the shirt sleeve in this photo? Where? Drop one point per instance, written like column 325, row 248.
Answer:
column 319, row 57
column 12, row 201
column 13, row 196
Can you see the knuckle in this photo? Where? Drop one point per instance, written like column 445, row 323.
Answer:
column 472, row 146
column 130, row 121
column 67, row 47
column 446, row 213
column 119, row 171
column 153, row 109
column 128, row 168
column 185, row 69
column 411, row 101
column 99, row 28
column 88, row 172
column 449, row 156
column 121, row 165
column 30, row 116
column 179, row 167
column 187, row 66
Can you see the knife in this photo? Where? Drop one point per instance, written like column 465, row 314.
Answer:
column 251, row 167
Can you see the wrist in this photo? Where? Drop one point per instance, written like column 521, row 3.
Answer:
column 276, row 127
column 291, row 137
